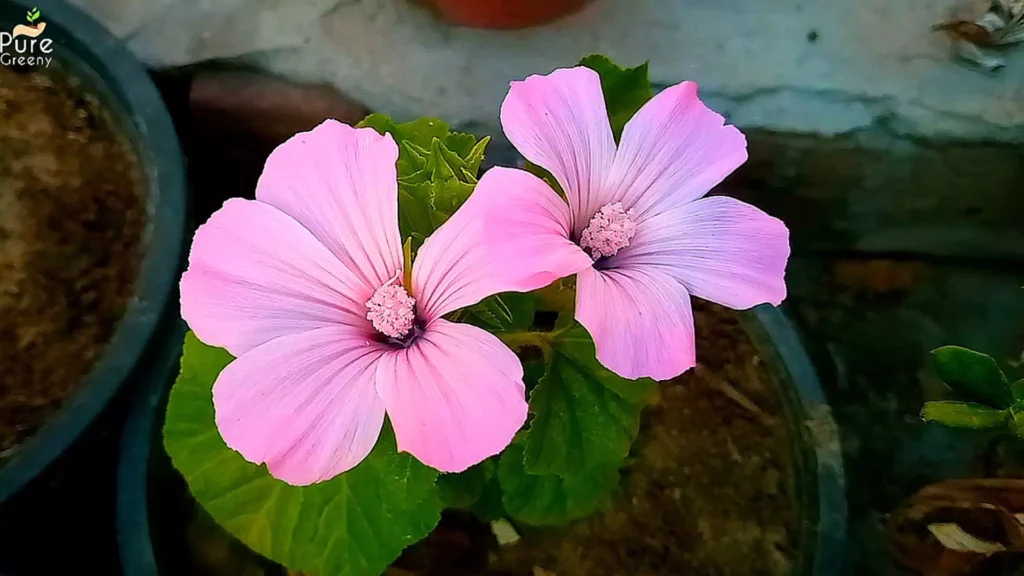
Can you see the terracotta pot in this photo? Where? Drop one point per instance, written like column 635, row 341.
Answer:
column 503, row 14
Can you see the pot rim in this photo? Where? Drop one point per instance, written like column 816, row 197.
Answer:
column 820, row 460
column 94, row 56
column 134, row 543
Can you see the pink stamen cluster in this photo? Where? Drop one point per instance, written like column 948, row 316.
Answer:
column 609, row 231
column 391, row 310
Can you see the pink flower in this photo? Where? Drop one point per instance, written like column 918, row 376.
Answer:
column 636, row 231
column 304, row 286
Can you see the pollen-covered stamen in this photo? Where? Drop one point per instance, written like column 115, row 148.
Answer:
column 391, row 310
column 609, row 231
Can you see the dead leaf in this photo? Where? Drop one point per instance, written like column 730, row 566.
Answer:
column 972, row 31
column 960, row 527
column 504, row 532
column 953, row 537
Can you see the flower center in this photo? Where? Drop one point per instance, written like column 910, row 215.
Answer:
column 391, row 310
column 609, row 231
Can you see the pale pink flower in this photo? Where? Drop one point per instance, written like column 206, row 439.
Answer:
column 636, row 230
column 304, row 286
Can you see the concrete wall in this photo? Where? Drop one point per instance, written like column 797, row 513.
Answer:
column 865, row 133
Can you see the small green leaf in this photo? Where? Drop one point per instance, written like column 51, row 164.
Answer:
column 462, row 490
column 414, row 215
column 1017, row 389
column 355, row 524
column 420, row 132
column 438, row 163
column 412, row 163
column 964, row 415
column 455, row 162
column 437, row 171
column 626, row 90
column 508, row 312
column 419, row 135
column 549, row 499
column 460, row 143
column 973, row 375
column 584, row 416
column 448, row 196
column 475, row 156
column 1017, row 419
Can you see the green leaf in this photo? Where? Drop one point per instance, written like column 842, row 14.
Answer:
column 461, row 144
column 416, row 141
column 355, row 524
column 549, row 499
column 489, row 506
column 440, row 162
column 412, row 162
column 475, row 156
column 584, row 416
column 437, row 171
column 1017, row 419
column 974, row 375
column 1017, row 390
column 448, row 195
column 414, row 215
column 964, row 415
column 420, row 132
column 507, row 312
column 625, row 89
column 462, row 490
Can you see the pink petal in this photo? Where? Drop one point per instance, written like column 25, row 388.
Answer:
column 341, row 184
column 560, row 122
column 517, row 230
column 511, row 235
column 305, row 404
column 452, row 269
column 455, row 396
column 256, row 274
column 673, row 151
column 641, row 321
column 719, row 248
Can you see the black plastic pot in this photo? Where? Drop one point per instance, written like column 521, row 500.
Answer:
column 146, row 479
column 86, row 51
column 820, row 481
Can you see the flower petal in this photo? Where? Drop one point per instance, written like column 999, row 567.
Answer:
column 641, row 322
column 673, row 151
column 719, row 248
column 511, row 235
column 455, row 397
column 256, row 274
column 305, row 404
column 560, row 123
column 341, row 183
